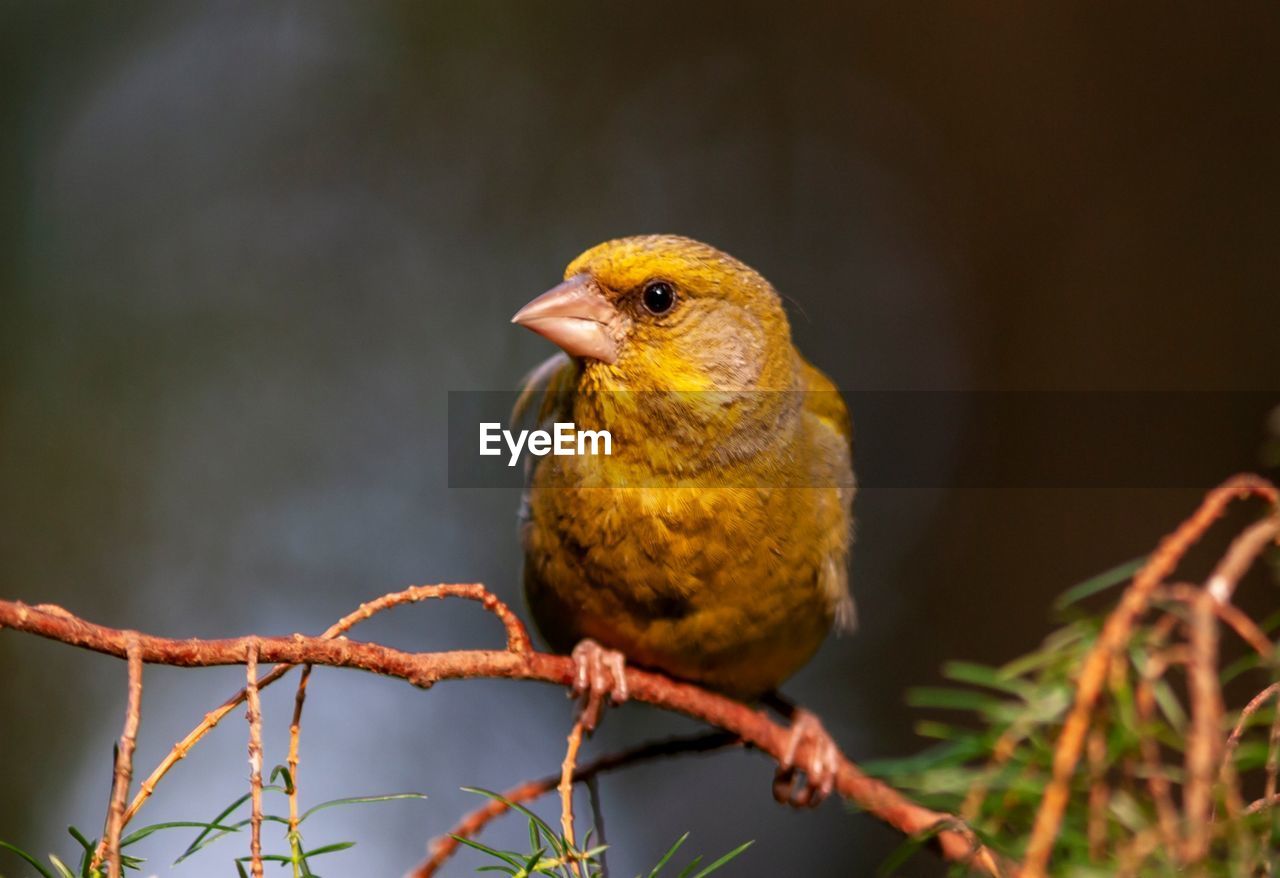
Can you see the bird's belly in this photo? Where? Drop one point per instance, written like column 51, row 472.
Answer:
column 716, row 585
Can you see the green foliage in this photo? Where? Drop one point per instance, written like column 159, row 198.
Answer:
column 225, row 823
column 993, row 755
column 548, row 854
column 551, row 854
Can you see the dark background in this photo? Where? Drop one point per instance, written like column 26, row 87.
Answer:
column 247, row 249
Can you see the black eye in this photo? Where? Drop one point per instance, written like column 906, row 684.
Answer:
column 658, row 296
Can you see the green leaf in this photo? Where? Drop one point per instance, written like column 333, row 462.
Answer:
column 358, row 800
column 952, row 699
column 668, row 855
column 693, row 864
column 981, row 675
column 1103, row 581
column 32, row 861
column 908, row 849
column 726, row 858
column 1271, row 623
column 225, row 812
column 557, row 843
column 330, row 848
column 507, row 858
column 534, row 858
column 1169, row 705
column 89, row 846
column 1245, row 663
column 535, row 836
column 282, row 771
column 139, row 835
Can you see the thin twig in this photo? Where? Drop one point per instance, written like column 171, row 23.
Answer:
column 1235, row 618
column 295, row 731
column 1273, row 767
column 472, row 824
column 254, row 716
column 1244, row 550
column 1262, row 804
column 1115, row 633
column 1254, row 705
column 1204, row 740
column 1157, row 780
column 567, row 768
column 110, row 845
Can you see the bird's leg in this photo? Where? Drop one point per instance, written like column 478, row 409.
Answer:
column 598, row 673
column 819, row 766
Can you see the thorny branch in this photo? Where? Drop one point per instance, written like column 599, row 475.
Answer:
column 110, row 845
column 1197, row 610
column 295, row 731
column 517, row 641
column 752, row 726
column 254, row 716
column 567, row 769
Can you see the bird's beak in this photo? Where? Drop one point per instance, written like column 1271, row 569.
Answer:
column 576, row 316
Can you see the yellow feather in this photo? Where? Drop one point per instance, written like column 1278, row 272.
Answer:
column 714, row 543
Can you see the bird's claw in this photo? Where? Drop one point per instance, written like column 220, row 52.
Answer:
column 599, row 673
column 819, row 766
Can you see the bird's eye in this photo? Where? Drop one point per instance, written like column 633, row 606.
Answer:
column 658, row 297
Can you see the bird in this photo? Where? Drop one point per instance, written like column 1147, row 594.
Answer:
column 713, row 542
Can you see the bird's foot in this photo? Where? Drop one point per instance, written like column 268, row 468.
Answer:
column 819, row 766
column 599, row 673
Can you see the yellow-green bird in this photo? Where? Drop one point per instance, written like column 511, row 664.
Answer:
column 713, row 542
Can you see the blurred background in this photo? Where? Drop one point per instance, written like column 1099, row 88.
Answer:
column 247, row 249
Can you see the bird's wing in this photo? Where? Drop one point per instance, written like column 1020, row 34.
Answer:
column 553, row 378
column 549, row 386
column 823, row 401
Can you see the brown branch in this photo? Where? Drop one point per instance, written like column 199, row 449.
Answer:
column 472, row 824
column 517, row 641
column 295, row 732
column 754, row 727
column 1145, row 703
column 1273, row 768
column 1262, row 804
column 110, row 845
column 567, row 768
column 1157, row 779
column 1244, row 550
column 1227, row 775
column 1115, row 633
column 1204, row 741
column 1254, row 705
column 254, row 716
column 1239, row 622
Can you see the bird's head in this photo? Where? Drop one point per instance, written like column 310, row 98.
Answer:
column 665, row 312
